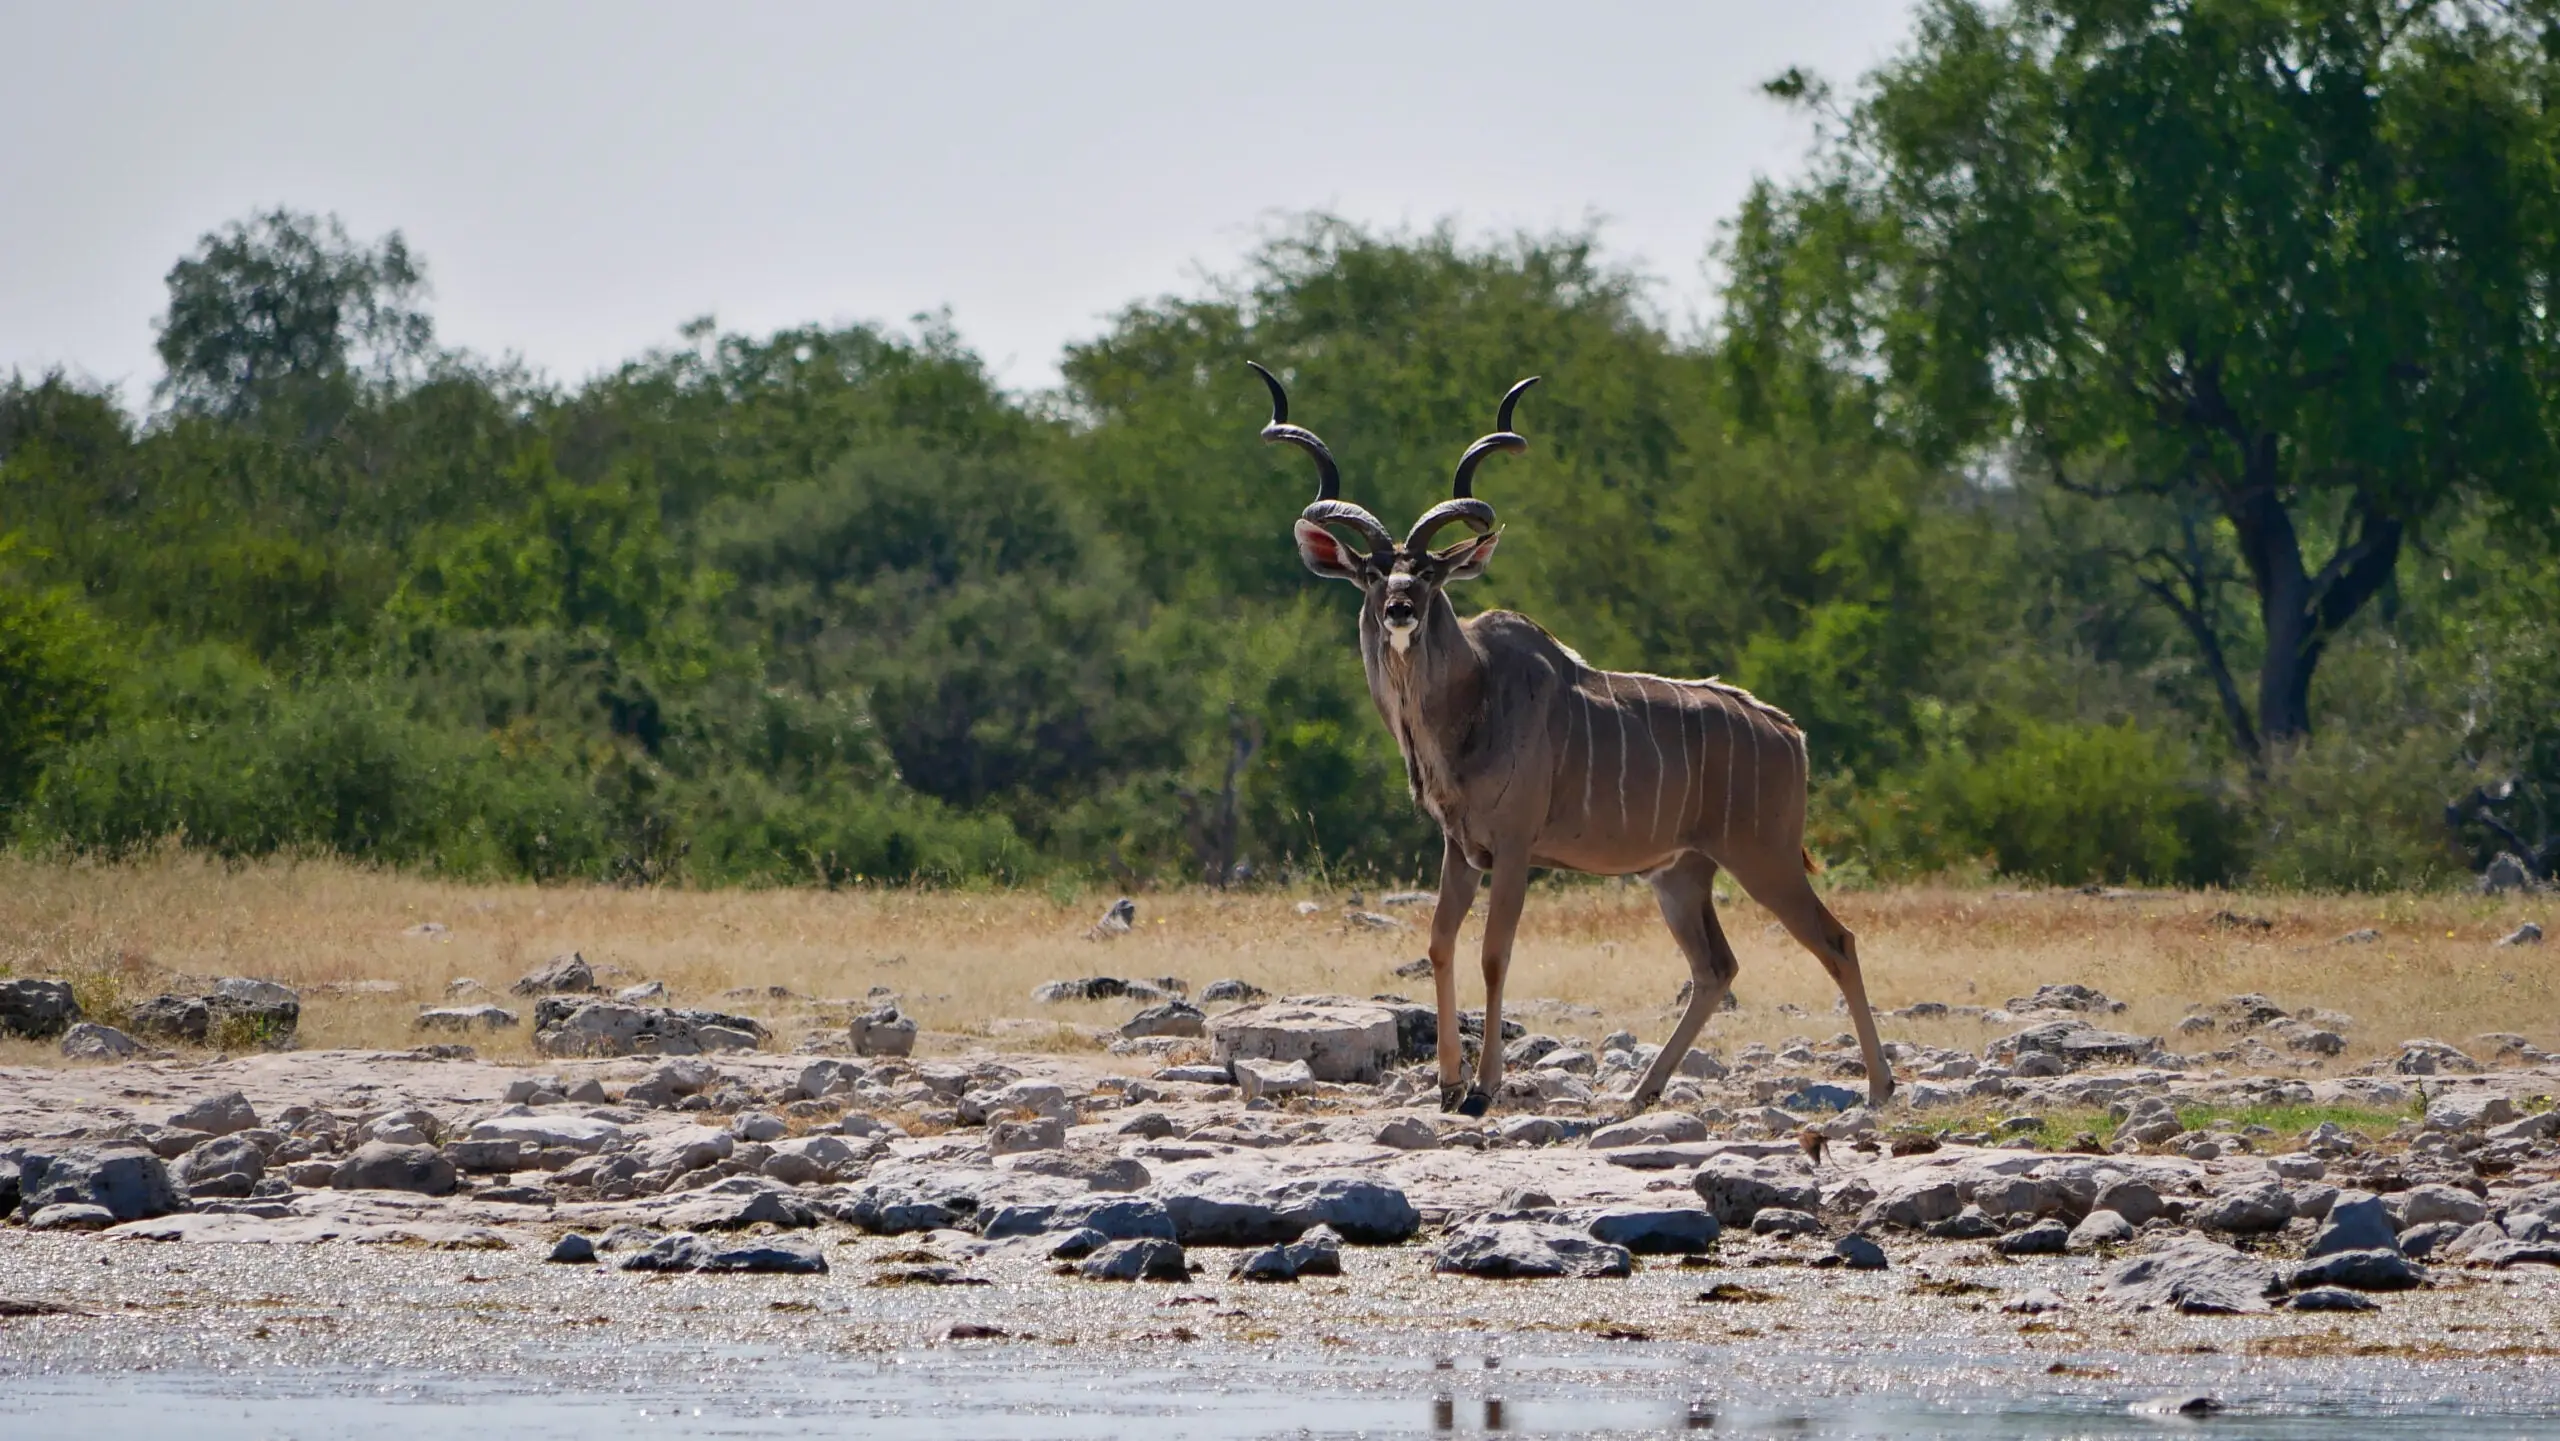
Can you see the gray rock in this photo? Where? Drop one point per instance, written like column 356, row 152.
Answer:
column 2527, row 934
column 2506, row 872
column 1528, row 1249
column 71, row 1216
column 2151, row 1121
column 809, row 1160
column 1858, row 1253
column 573, row 1250
column 2037, row 1301
column 2420, row 1243
column 2502, row 1254
column 1231, row 1209
column 2423, row 1057
column 2470, row 1111
column 2439, row 1202
column 1653, row 1128
column 758, row 1126
column 565, row 972
column 1121, row 1173
column 1233, row 990
column 2248, row 1209
column 898, row 1207
column 1149, row 1259
column 131, row 1183
column 567, row 1026
column 1339, row 1040
column 1821, row 1096
column 485, row 1157
column 1095, row 988
column 686, row 1252
column 584, row 1134
column 2379, row 1269
column 1078, row 1244
column 2044, row 1238
column 2102, row 1228
column 217, row 1115
column 1736, row 1188
column 2072, row 1044
column 2357, row 1221
column 383, row 1166
column 1408, row 1133
column 2138, row 1201
column 2066, row 996
column 735, row 1203
column 226, row 1166
column 1782, row 1221
column 2197, row 1277
column 882, row 1032
column 1914, row 1202
column 36, row 1010
column 1041, row 1133
column 1969, row 1224
column 1275, row 1078
column 465, row 1018
column 1317, row 1253
column 89, row 1041
column 172, row 1018
column 1173, row 1018
column 1656, row 1230
column 2329, row 1298
column 671, row 1081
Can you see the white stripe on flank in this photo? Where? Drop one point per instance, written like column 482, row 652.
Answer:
column 1680, row 703
column 1620, row 712
column 1731, row 748
column 1755, row 781
column 1653, row 737
column 1590, row 759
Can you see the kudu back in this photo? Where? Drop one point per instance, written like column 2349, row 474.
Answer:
column 1527, row 755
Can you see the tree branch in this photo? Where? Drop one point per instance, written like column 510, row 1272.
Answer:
column 2191, row 570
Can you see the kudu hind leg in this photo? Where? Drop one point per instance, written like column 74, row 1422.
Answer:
column 1790, row 897
column 1686, row 891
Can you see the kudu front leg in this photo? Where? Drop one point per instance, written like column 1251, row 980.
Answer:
column 1501, row 923
column 1457, row 893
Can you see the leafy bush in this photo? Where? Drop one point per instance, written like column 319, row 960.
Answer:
column 53, row 677
column 2343, row 813
column 2059, row 803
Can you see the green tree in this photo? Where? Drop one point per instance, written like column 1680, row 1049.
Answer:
column 53, row 677
column 2271, row 279
column 287, row 308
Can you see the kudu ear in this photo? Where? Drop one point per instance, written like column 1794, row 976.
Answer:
column 1325, row 554
column 1466, row 559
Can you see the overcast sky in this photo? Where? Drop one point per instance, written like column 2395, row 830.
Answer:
column 583, row 178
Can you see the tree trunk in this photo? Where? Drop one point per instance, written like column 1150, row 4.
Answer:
column 2301, row 612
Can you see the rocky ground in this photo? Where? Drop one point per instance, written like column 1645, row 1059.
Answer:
column 2067, row 1187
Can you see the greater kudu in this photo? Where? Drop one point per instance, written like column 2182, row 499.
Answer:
column 1527, row 755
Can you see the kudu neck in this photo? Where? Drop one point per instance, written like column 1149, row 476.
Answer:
column 1439, row 663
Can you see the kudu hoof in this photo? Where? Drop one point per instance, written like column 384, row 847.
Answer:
column 1475, row 1104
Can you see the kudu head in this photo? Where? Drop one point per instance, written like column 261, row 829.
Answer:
column 1400, row 584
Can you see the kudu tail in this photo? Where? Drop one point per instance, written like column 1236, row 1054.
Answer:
column 1812, row 867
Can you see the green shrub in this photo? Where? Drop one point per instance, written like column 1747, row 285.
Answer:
column 53, row 678
column 2060, row 803
column 2342, row 813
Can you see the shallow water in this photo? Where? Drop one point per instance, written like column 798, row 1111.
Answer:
column 1009, row 1391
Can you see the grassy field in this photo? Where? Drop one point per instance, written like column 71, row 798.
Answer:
column 1592, row 956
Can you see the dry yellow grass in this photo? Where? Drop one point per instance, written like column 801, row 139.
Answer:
column 1592, row 956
